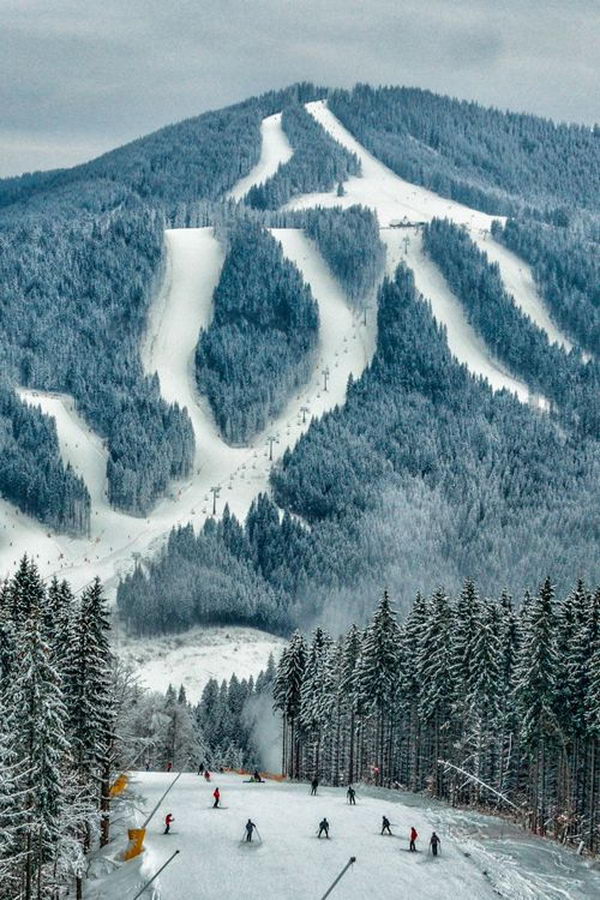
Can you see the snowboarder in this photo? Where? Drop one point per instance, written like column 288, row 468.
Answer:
column 257, row 777
column 351, row 795
column 435, row 843
column 168, row 819
column 323, row 827
column 413, row 837
column 206, row 775
column 169, row 766
column 250, row 826
column 313, row 786
column 217, row 796
column 385, row 825
column 201, row 769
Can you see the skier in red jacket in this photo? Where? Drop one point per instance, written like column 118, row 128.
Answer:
column 217, row 796
column 413, row 837
column 206, row 775
column 168, row 819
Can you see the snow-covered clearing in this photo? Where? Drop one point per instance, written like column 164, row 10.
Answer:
column 197, row 655
column 481, row 857
column 275, row 151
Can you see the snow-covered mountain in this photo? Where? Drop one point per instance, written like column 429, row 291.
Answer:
column 143, row 438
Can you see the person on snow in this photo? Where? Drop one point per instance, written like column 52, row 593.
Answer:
column 217, row 796
column 313, row 786
column 385, row 825
column 323, row 827
column 413, row 837
column 169, row 766
column 168, row 819
column 201, row 768
column 250, row 826
column 351, row 795
column 434, row 843
column 206, row 775
column 256, row 776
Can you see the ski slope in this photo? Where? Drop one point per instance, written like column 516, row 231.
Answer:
column 481, row 858
column 180, row 310
column 395, row 199
column 275, row 151
column 464, row 343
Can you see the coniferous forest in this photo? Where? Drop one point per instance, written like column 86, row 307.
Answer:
column 471, row 699
column 259, row 345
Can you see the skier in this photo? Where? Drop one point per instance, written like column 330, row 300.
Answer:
column 385, row 825
column 351, row 795
column 434, row 843
column 201, row 768
column 250, row 826
column 313, row 786
column 206, row 775
column 413, row 837
column 169, row 766
column 217, row 796
column 168, row 819
column 323, row 827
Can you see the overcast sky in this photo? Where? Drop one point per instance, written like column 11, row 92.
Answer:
column 81, row 76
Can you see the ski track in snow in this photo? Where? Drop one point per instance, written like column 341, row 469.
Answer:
column 275, row 151
column 482, row 857
column 184, row 306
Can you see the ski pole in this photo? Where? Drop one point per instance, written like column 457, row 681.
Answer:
column 258, row 833
column 156, row 874
column 350, row 862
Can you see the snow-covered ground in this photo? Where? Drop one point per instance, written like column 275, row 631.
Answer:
column 481, row 856
column 196, row 656
column 275, row 151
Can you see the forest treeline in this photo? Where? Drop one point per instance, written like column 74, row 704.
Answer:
column 60, row 709
column 566, row 268
column 348, row 239
column 571, row 383
column 500, row 162
column 259, row 346
column 470, row 699
column 32, row 475
column 423, row 476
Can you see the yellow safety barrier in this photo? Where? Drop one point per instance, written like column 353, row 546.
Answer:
column 136, row 842
column 119, row 786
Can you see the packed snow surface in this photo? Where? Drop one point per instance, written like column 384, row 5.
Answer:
column 202, row 653
column 481, row 857
column 275, row 151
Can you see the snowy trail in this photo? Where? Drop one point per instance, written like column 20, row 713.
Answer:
column 482, row 856
column 463, row 341
column 79, row 445
column 184, row 305
column 275, row 151
column 518, row 281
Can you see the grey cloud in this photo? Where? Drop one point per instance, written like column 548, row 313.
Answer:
column 76, row 78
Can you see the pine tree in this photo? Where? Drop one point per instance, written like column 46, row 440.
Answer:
column 379, row 677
